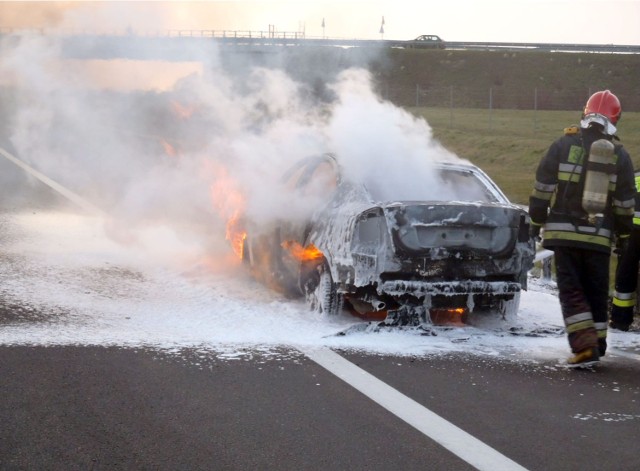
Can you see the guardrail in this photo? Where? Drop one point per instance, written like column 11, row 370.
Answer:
column 546, row 47
column 546, row 257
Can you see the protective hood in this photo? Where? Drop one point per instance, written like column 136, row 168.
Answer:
column 608, row 128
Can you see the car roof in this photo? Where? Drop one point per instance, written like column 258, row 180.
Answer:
column 305, row 168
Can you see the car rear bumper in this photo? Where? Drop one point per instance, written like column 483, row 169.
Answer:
column 420, row 289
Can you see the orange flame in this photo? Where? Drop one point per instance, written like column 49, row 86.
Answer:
column 168, row 148
column 229, row 202
column 182, row 111
column 236, row 235
column 304, row 254
column 448, row 316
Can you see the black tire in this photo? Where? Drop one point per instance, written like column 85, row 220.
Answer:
column 321, row 292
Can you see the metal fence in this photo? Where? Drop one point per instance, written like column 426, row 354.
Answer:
column 503, row 97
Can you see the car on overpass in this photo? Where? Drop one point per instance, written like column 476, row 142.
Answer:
column 427, row 41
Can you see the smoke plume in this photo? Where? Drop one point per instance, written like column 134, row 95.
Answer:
column 192, row 152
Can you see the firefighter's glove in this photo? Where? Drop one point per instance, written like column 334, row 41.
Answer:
column 534, row 232
column 622, row 244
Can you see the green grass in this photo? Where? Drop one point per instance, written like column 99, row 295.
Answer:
column 508, row 144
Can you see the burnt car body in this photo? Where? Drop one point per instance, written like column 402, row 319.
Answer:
column 410, row 260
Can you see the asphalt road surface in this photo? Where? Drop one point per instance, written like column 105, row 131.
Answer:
column 113, row 408
column 98, row 406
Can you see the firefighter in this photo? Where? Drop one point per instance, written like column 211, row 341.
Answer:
column 583, row 199
column 625, row 295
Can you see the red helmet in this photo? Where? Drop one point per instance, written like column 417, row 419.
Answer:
column 602, row 108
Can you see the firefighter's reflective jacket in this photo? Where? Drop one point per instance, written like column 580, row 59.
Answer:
column 559, row 185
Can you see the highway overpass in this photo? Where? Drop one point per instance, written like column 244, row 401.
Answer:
column 190, row 45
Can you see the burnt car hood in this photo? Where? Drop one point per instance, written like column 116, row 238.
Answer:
column 439, row 228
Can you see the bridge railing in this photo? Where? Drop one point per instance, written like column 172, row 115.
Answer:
column 236, row 34
column 193, row 33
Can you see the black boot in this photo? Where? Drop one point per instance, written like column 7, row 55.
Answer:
column 619, row 325
column 602, row 346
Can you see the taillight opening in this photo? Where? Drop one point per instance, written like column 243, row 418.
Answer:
column 449, row 316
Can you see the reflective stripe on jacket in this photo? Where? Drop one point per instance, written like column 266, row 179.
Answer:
column 636, row 214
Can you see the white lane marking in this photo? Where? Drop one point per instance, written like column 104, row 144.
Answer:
column 70, row 195
column 454, row 439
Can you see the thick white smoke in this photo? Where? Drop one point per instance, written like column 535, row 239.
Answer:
column 216, row 142
column 382, row 143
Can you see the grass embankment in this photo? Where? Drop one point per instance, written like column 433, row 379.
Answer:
column 508, row 144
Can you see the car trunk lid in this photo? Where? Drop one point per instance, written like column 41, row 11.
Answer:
column 454, row 229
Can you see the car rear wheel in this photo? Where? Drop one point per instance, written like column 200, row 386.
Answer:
column 321, row 292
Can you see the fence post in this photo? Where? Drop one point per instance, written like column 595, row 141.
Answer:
column 535, row 110
column 450, row 106
column 417, row 95
column 490, row 107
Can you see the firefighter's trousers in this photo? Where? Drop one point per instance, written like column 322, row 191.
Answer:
column 625, row 295
column 583, row 288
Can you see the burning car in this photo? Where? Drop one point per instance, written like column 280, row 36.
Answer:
column 440, row 260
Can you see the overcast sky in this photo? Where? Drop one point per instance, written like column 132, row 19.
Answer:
column 551, row 21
